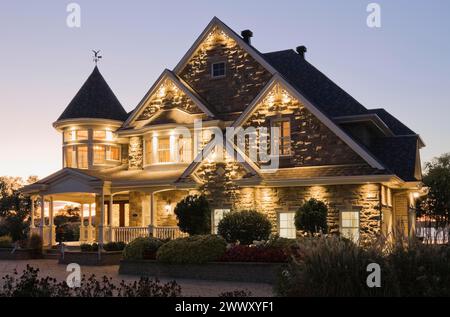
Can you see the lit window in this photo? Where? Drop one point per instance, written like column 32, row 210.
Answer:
column 148, row 151
column 82, row 156
column 70, row 135
column 350, row 225
column 112, row 153
column 70, row 157
column 99, row 154
column 389, row 196
column 218, row 70
column 184, row 150
column 82, row 135
column 99, row 135
column 218, row 215
column 163, row 150
column 283, row 139
column 386, row 196
column 287, row 225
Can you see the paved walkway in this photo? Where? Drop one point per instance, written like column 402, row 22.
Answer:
column 188, row 287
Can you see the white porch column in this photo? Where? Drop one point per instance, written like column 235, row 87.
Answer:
column 82, row 227
column 110, row 215
column 90, row 236
column 102, row 219
column 90, row 216
column 51, row 234
column 42, row 224
column 32, row 226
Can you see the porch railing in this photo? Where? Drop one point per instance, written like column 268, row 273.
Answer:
column 128, row 234
column 166, row 232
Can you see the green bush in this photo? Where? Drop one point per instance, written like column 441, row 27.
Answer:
column 6, row 242
column 312, row 216
column 194, row 250
column 142, row 248
column 35, row 244
column 245, row 227
column 194, row 215
column 114, row 246
column 86, row 247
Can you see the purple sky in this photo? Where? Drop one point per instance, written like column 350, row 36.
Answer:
column 404, row 66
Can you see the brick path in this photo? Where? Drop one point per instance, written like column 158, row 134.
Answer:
column 188, row 287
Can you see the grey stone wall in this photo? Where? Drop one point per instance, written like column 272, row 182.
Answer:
column 135, row 153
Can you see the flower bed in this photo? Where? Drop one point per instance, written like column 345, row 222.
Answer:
column 244, row 253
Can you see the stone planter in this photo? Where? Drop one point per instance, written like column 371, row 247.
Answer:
column 18, row 254
column 91, row 258
column 220, row 271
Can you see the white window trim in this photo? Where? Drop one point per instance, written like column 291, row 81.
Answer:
column 224, row 70
column 359, row 222
column 279, row 222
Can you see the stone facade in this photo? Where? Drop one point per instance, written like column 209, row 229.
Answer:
column 135, row 153
column 168, row 96
column 167, row 198
column 245, row 77
column 312, row 143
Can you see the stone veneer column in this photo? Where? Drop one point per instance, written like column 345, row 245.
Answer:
column 135, row 153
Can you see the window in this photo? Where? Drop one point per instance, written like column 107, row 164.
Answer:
column 163, row 150
column 82, row 156
column 350, row 225
column 148, row 151
column 184, row 150
column 99, row 154
column 112, row 153
column 283, row 140
column 70, row 158
column 217, row 216
column 70, row 135
column 218, row 70
column 82, row 135
column 99, row 135
column 287, row 225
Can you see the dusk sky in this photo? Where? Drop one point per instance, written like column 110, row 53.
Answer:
column 404, row 66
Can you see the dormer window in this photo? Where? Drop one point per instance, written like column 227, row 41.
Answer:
column 218, row 70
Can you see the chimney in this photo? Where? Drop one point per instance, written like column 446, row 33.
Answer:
column 247, row 35
column 301, row 50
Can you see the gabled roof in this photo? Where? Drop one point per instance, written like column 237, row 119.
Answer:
column 180, row 84
column 95, row 100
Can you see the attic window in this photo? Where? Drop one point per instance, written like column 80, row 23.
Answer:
column 218, row 70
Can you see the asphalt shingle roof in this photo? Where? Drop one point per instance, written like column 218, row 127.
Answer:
column 95, row 99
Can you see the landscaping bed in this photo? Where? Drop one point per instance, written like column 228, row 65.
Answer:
column 18, row 254
column 91, row 258
column 251, row 272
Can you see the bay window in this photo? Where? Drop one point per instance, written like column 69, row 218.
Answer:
column 163, row 150
column 167, row 149
column 82, row 156
column 112, row 153
column 99, row 154
column 70, row 157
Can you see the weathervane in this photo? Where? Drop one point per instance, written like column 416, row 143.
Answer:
column 96, row 56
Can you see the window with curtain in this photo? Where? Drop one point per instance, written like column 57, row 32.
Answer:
column 164, row 150
column 284, row 136
column 350, row 225
column 287, row 225
column 99, row 154
column 82, row 156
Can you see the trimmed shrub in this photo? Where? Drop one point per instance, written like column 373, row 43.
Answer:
column 245, row 226
column 142, row 248
column 194, row 250
column 114, row 246
column 69, row 231
column 244, row 253
column 312, row 216
column 6, row 242
column 86, row 247
column 194, row 215
column 35, row 244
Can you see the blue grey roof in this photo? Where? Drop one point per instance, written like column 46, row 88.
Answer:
column 95, row 99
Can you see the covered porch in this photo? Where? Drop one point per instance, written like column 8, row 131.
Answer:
column 107, row 213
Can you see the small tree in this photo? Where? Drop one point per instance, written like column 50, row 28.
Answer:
column 245, row 227
column 194, row 215
column 312, row 216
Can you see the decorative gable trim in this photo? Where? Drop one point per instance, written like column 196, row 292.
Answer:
column 167, row 74
column 216, row 22
column 277, row 78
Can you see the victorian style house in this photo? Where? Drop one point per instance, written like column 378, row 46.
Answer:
column 129, row 170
